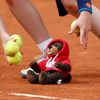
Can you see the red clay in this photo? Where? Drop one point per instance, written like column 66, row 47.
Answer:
column 86, row 63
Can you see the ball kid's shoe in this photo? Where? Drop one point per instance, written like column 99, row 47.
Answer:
column 41, row 57
column 23, row 72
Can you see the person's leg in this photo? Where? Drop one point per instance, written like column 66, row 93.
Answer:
column 71, row 7
column 30, row 19
column 3, row 33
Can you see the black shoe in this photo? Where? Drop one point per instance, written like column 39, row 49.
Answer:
column 32, row 77
column 43, row 77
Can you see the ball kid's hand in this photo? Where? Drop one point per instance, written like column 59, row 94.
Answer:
column 84, row 23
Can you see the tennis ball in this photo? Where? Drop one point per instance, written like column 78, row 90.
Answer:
column 16, row 59
column 11, row 48
column 77, row 31
column 17, row 38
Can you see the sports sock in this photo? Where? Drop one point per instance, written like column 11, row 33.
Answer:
column 42, row 46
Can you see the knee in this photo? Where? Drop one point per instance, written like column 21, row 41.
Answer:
column 9, row 2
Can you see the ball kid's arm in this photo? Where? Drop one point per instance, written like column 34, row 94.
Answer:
column 83, row 21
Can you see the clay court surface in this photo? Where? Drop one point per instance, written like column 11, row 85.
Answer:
column 85, row 84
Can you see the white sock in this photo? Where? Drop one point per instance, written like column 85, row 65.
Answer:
column 42, row 46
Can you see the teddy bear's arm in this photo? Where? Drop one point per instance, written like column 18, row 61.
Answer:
column 34, row 65
column 63, row 67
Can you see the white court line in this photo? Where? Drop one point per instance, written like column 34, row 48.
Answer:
column 40, row 96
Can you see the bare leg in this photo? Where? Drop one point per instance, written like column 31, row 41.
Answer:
column 71, row 7
column 29, row 18
column 3, row 33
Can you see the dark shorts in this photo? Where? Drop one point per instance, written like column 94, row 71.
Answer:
column 61, row 9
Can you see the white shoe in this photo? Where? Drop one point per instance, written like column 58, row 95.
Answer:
column 23, row 72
